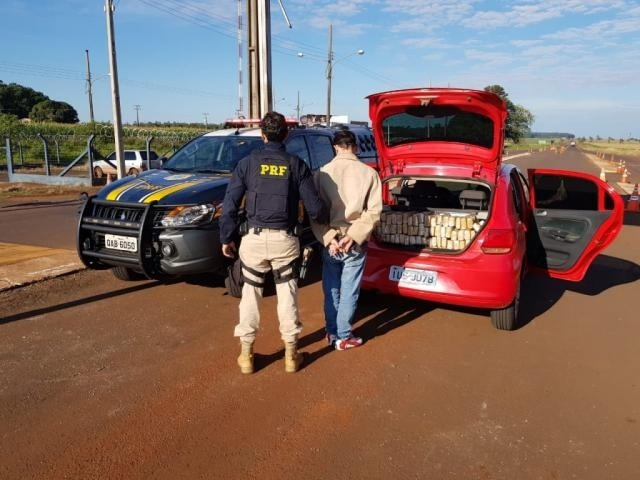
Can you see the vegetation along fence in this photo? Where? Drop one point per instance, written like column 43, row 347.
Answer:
column 56, row 156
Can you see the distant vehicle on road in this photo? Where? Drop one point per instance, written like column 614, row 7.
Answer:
column 135, row 161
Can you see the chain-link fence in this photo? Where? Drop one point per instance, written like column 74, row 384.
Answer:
column 67, row 154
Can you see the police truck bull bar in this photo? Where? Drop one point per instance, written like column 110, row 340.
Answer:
column 101, row 218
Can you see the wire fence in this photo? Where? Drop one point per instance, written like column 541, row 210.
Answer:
column 33, row 150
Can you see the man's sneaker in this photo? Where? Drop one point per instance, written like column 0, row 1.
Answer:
column 349, row 342
column 331, row 339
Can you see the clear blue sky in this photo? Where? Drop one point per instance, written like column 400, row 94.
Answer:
column 574, row 64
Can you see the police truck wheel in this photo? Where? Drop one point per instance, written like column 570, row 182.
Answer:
column 124, row 273
column 98, row 173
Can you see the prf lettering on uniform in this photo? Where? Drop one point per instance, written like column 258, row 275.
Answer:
column 273, row 170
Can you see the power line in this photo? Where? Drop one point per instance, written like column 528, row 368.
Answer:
column 371, row 74
column 199, row 16
column 41, row 71
column 178, row 11
column 186, row 91
column 283, row 47
column 66, row 74
column 201, row 11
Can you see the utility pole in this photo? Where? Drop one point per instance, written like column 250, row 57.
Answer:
column 252, row 59
column 259, row 57
column 137, row 109
column 206, row 117
column 329, row 75
column 240, row 111
column 115, row 91
column 89, row 93
column 330, row 63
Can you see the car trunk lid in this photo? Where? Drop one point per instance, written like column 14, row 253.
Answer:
column 439, row 129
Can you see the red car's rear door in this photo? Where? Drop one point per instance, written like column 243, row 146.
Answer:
column 575, row 216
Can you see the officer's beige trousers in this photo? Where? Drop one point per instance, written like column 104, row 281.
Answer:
column 269, row 249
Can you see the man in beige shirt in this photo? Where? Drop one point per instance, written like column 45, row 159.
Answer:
column 354, row 195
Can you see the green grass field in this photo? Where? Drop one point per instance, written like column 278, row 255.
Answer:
column 628, row 148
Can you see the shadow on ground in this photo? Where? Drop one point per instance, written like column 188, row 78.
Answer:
column 539, row 293
column 83, row 301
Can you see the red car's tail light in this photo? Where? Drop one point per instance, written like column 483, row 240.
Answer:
column 498, row 241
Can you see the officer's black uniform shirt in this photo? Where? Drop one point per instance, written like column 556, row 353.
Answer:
column 273, row 181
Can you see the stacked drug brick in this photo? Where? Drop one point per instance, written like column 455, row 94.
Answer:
column 450, row 231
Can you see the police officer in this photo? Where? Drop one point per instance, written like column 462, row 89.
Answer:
column 271, row 182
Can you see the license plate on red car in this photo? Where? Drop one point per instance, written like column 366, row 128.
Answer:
column 413, row 277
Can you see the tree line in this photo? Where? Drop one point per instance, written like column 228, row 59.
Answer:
column 24, row 102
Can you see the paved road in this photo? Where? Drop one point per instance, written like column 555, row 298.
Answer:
column 43, row 223
column 104, row 379
column 37, row 240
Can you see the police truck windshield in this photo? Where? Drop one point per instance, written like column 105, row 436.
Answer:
column 210, row 154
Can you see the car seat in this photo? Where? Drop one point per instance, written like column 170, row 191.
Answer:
column 418, row 195
column 473, row 199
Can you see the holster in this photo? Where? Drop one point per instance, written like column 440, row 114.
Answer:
column 243, row 228
column 291, row 271
column 297, row 230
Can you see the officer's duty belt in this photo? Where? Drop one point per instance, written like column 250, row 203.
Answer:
column 258, row 230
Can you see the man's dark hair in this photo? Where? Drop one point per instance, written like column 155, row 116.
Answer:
column 274, row 126
column 344, row 138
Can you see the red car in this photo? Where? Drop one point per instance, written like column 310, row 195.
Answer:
column 461, row 227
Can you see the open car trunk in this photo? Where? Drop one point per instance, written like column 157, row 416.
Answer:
column 432, row 213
